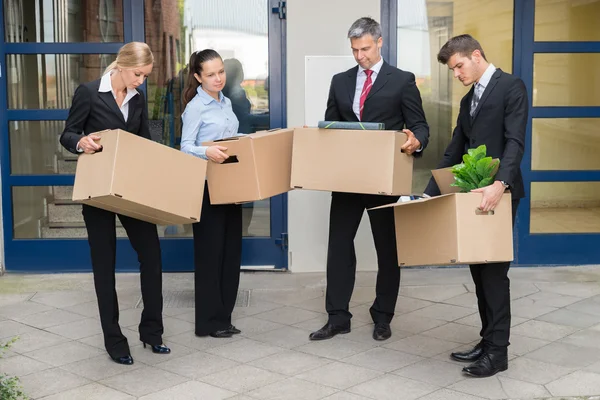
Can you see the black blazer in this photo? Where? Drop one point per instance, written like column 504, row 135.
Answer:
column 394, row 100
column 92, row 111
column 499, row 122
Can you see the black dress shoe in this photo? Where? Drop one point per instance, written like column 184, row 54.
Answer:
column 329, row 331
column 126, row 360
column 382, row 331
column 224, row 333
column 487, row 365
column 159, row 349
column 470, row 355
column 233, row 330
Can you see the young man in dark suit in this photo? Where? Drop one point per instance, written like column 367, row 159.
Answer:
column 493, row 113
column 373, row 91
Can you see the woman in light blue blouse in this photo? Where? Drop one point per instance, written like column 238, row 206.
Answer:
column 208, row 116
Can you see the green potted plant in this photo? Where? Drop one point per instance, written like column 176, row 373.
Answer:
column 476, row 171
column 10, row 387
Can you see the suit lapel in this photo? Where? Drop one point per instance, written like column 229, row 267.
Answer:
column 487, row 91
column 381, row 80
column 133, row 106
column 109, row 100
column 351, row 83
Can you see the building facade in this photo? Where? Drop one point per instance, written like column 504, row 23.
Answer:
column 48, row 47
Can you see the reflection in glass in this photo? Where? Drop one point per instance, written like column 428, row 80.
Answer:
column 565, row 144
column 565, row 207
column 48, row 81
column 35, row 149
column 567, row 20
column 239, row 32
column 424, row 26
column 63, row 21
column 566, row 79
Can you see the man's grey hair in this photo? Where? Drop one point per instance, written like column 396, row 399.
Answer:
column 363, row 26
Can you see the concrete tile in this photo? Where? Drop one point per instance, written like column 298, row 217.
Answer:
column 543, row 330
column 584, row 338
column 522, row 289
column 443, row 312
column 336, row 348
column 189, row 316
column 190, row 391
column 100, row 367
column 93, row 391
column 23, row 309
column 287, row 315
column 566, row 355
column 500, row 387
column 174, row 326
column 290, row 362
column 468, row 300
column 363, row 295
column 197, row 365
column 521, row 345
column 130, row 317
column 577, row 289
column 406, row 304
column 9, row 329
column 386, row 388
column 251, row 326
column 345, row 396
column 571, row 318
column 244, row 350
column 434, row 293
column 178, row 312
column 422, row 346
column 475, row 320
column 553, row 299
column 292, row 389
column 50, row 381
column 189, row 339
column 434, row 372
column 133, row 338
column 382, row 359
column 65, row 353
column 143, row 381
column 288, row 297
column 254, row 308
column 339, row 375
column 447, row 394
column 317, row 305
column 89, row 309
column 364, row 334
column 78, row 329
column 414, row 323
column 287, row 337
column 454, row 332
column 589, row 306
column 579, row 383
column 63, row 298
column 146, row 356
column 21, row 366
column 533, row 371
column 242, row 378
column 35, row 340
column 595, row 367
column 14, row 298
column 361, row 313
column 529, row 308
column 49, row 318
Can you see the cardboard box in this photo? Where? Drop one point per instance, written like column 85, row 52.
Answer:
column 449, row 229
column 352, row 161
column 258, row 167
column 142, row 179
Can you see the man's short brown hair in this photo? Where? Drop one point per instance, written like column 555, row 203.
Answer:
column 464, row 45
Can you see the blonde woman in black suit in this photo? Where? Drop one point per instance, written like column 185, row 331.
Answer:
column 115, row 102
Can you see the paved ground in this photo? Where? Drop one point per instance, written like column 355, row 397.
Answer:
column 555, row 349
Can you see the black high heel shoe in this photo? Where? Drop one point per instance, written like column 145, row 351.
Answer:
column 159, row 348
column 126, row 360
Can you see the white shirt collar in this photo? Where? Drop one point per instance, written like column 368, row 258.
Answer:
column 106, row 86
column 375, row 68
column 487, row 75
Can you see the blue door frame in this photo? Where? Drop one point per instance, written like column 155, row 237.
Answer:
column 530, row 249
column 60, row 255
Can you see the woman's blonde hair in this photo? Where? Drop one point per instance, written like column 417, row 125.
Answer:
column 132, row 55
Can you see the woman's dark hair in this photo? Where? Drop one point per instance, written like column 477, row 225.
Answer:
column 195, row 67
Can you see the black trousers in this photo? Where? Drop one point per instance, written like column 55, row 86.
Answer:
column 346, row 212
column 143, row 236
column 492, row 287
column 217, row 258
